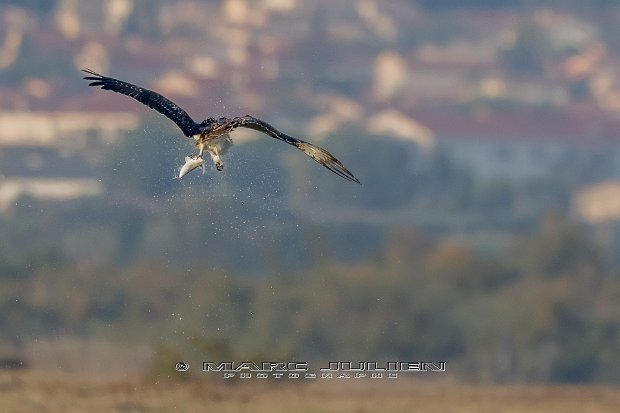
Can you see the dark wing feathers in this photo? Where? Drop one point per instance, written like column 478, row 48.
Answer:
column 166, row 107
column 318, row 154
column 151, row 99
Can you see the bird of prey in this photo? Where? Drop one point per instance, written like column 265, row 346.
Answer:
column 212, row 135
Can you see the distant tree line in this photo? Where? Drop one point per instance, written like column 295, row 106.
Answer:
column 234, row 264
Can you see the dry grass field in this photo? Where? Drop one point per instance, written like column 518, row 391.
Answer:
column 36, row 392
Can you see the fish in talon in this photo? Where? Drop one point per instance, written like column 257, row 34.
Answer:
column 191, row 163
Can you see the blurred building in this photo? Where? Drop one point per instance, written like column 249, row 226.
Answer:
column 55, row 155
column 526, row 145
column 599, row 206
column 45, row 174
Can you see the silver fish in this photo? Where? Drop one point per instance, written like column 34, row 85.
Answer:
column 191, row 163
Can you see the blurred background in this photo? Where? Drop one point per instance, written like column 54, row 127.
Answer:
column 486, row 233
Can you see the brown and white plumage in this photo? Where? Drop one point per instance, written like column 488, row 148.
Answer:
column 212, row 135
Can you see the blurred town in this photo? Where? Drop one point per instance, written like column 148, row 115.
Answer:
column 486, row 136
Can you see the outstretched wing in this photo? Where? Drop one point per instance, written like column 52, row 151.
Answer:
column 318, row 154
column 151, row 99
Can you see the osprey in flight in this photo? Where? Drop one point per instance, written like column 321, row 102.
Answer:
column 212, row 135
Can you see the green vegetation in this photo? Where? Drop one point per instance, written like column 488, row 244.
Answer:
column 231, row 264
